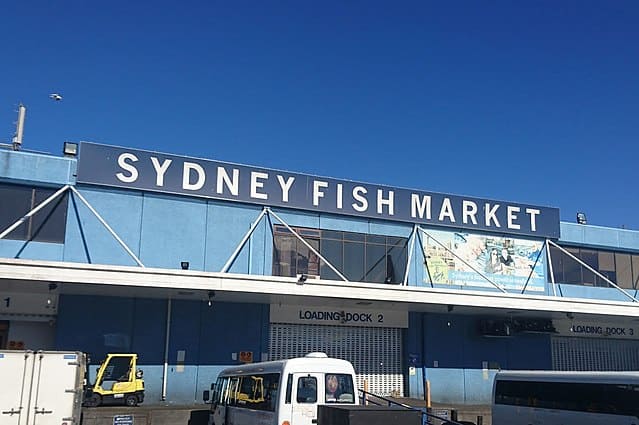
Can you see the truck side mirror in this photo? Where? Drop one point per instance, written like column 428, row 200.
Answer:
column 206, row 396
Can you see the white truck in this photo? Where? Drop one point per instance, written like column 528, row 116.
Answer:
column 41, row 388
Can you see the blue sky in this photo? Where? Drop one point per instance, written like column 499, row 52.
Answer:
column 533, row 102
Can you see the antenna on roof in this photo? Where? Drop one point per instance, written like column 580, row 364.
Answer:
column 17, row 138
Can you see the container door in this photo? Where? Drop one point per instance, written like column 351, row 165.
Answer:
column 16, row 369
column 57, row 388
column 307, row 388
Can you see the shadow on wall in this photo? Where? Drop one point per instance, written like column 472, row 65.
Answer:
column 199, row 417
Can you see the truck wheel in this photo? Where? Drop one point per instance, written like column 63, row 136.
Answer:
column 131, row 400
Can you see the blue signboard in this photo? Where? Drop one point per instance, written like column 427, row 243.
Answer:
column 123, row 420
column 152, row 171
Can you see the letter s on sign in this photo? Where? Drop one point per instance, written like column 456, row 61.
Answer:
column 122, row 162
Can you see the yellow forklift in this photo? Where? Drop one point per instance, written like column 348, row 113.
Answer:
column 118, row 381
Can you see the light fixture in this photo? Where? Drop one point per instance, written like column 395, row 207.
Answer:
column 301, row 278
column 581, row 218
column 185, row 265
column 570, row 315
column 450, row 308
column 211, row 296
column 52, row 287
column 70, row 149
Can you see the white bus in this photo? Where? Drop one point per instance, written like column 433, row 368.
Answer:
column 561, row 398
column 284, row 392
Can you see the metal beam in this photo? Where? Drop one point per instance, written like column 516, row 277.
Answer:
column 239, row 247
column 106, row 226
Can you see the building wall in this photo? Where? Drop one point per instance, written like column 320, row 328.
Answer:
column 203, row 339
column 460, row 363
column 164, row 230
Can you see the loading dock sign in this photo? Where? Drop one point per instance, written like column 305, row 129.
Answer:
column 123, row 420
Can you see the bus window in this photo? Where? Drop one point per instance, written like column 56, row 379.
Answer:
column 339, row 388
column 307, row 389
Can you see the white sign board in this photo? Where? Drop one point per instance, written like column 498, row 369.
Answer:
column 616, row 330
column 338, row 316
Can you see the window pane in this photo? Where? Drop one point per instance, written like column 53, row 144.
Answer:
column 15, row 202
column 377, row 239
column 354, row 261
column 284, row 256
column 572, row 269
column 354, row 237
column 339, row 388
column 591, row 258
column 307, row 390
column 307, row 260
column 623, row 271
column 49, row 224
column 556, row 258
column 635, row 270
column 606, row 267
column 332, row 234
column 332, row 251
column 375, row 263
column 396, row 263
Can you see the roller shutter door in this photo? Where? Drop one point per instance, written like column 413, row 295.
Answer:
column 375, row 353
column 594, row 354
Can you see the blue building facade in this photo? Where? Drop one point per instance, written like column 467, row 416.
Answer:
column 196, row 265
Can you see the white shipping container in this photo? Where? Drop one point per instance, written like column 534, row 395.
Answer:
column 41, row 388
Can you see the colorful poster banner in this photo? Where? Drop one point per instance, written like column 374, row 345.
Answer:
column 466, row 259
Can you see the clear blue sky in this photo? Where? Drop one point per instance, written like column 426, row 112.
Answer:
column 533, row 102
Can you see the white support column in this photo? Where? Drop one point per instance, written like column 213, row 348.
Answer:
column 552, row 273
column 413, row 235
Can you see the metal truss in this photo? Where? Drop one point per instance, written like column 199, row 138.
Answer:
column 74, row 192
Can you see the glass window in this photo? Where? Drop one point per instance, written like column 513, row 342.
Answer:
column 354, row 261
column 623, row 270
column 591, row 258
column 396, row 262
column 375, row 263
column 284, row 256
column 16, row 202
column 635, row 271
column 606, row 263
column 332, row 250
column 376, row 239
column 307, row 389
column 47, row 225
column 339, row 388
column 359, row 257
column 354, row 237
column 572, row 268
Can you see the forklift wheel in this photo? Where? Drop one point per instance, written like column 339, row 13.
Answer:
column 94, row 400
column 131, row 400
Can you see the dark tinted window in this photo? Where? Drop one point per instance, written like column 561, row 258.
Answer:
column 307, row 389
column 47, row 225
column 620, row 268
column 359, row 257
column 574, row 396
